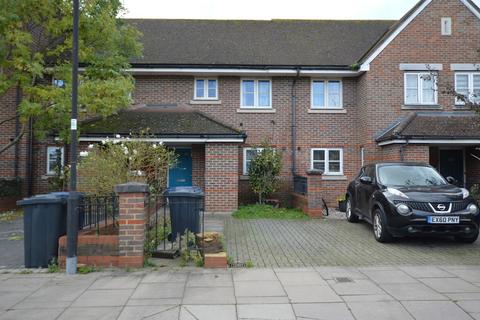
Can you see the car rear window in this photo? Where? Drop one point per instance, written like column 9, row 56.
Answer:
column 406, row 176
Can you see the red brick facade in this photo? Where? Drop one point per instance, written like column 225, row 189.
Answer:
column 372, row 101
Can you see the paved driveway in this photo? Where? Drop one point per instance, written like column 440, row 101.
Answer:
column 11, row 242
column 335, row 242
column 405, row 293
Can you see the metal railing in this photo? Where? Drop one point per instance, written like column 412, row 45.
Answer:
column 98, row 212
column 300, row 185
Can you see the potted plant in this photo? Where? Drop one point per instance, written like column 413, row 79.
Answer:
column 342, row 204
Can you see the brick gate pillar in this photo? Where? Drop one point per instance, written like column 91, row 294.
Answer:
column 131, row 220
column 315, row 193
column 221, row 177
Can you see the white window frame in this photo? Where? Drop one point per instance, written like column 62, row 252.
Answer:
column 446, row 26
column 470, row 85
column 327, row 160
column 205, row 89
column 245, row 172
column 325, row 94
column 420, row 88
column 54, row 83
column 255, row 93
column 51, row 171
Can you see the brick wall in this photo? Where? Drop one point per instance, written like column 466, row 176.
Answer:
column 221, row 178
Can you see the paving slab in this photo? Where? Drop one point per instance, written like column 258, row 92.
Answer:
column 412, row 292
column 463, row 296
column 425, row 272
column 220, row 279
column 43, row 314
column 265, row 311
column 116, row 282
column 150, row 312
column 263, row 300
column 93, row 313
column 254, row 275
column 470, row 275
column 435, row 310
column 158, row 291
column 356, row 287
column 311, row 294
column 320, row 311
column 209, row 295
column 18, row 284
column 389, row 276
column 367, row 298
column 103, row 298
column 330, row 273
column 258, row 289
column 210, row 312
column 450, row 285
column 154, row 302
column 391, row 310
column 9, row 299
column 155, row 277
column 300, row 278
column 470, row 306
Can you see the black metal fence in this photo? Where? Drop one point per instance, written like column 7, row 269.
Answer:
column 98, row 212
column 300, row 185
column 164, row 238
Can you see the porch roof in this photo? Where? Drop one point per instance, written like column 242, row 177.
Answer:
column 162, row 122
column 418, row 127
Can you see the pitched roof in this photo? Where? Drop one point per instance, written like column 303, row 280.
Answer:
column 161, row 121
column 332, row 43
column 439, row 126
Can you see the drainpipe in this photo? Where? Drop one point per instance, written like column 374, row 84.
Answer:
column 402, row 150
column 29, row 158
column 294, row 124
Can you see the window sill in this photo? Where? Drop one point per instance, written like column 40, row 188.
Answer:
column 421, row 107
column 328, row 111
column 256, row 110
column 461, row 107
column 244, row 177
column 206, row 102
column 327, row 177
column 47, row 176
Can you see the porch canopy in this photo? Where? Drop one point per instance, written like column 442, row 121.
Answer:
column 165, row 123
column 434, row 128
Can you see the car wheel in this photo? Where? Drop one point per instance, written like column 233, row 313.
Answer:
column 467, row 239
column 380, row 227
column 351, row 217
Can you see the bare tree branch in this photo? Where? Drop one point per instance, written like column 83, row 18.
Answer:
column 9, row 119
column 15, row 140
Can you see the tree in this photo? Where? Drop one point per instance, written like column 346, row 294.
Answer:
column 35, row 50
column 264, row 171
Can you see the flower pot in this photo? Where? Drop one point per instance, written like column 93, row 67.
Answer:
column 342, row 205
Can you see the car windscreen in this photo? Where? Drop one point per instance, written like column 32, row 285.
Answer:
column 406, row 176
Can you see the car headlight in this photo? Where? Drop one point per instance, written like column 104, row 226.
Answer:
column 403, row 209
column 465, row 193
column 473, row 209
column 396, row 192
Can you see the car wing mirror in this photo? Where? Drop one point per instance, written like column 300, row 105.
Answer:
column 366, row 180
column 451, row 180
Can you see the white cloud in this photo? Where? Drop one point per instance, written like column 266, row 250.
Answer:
column 269, row 9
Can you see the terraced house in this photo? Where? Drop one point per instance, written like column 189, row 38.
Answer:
column 331, row 95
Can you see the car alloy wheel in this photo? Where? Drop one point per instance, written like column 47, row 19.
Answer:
column 351, row 217
column 377, row 226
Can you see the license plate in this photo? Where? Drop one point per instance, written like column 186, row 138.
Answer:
column 444, row 220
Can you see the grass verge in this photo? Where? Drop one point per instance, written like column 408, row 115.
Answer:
column 258, row 211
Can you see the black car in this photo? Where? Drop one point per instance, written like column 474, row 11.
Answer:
column 404, row 199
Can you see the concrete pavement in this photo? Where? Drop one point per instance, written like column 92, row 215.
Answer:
column 406, row 292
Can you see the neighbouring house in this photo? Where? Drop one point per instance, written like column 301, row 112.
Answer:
column 332, row 95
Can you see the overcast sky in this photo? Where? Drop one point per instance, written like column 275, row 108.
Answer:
column 269, row 9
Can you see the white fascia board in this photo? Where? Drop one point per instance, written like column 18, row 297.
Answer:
column 465, row 67
column 366, row 64
column 241, row 72
column 166, row 140
column 471, row 8
column 421, row 66
column 442, row 142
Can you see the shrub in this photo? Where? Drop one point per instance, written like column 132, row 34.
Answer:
column 10, row 187
column 122, row 160
column 264, row 171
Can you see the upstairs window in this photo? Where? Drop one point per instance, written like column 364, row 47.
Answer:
column 468, row 85
column 55, row 159
column 206, row 89
column 420, row 88
column 326, row 94
column 256, row 94
column 330, row 161
column 446, row 26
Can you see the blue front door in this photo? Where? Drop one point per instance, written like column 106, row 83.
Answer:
column 180, row 175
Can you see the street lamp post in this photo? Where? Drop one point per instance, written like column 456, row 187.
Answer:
column 74, row 196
